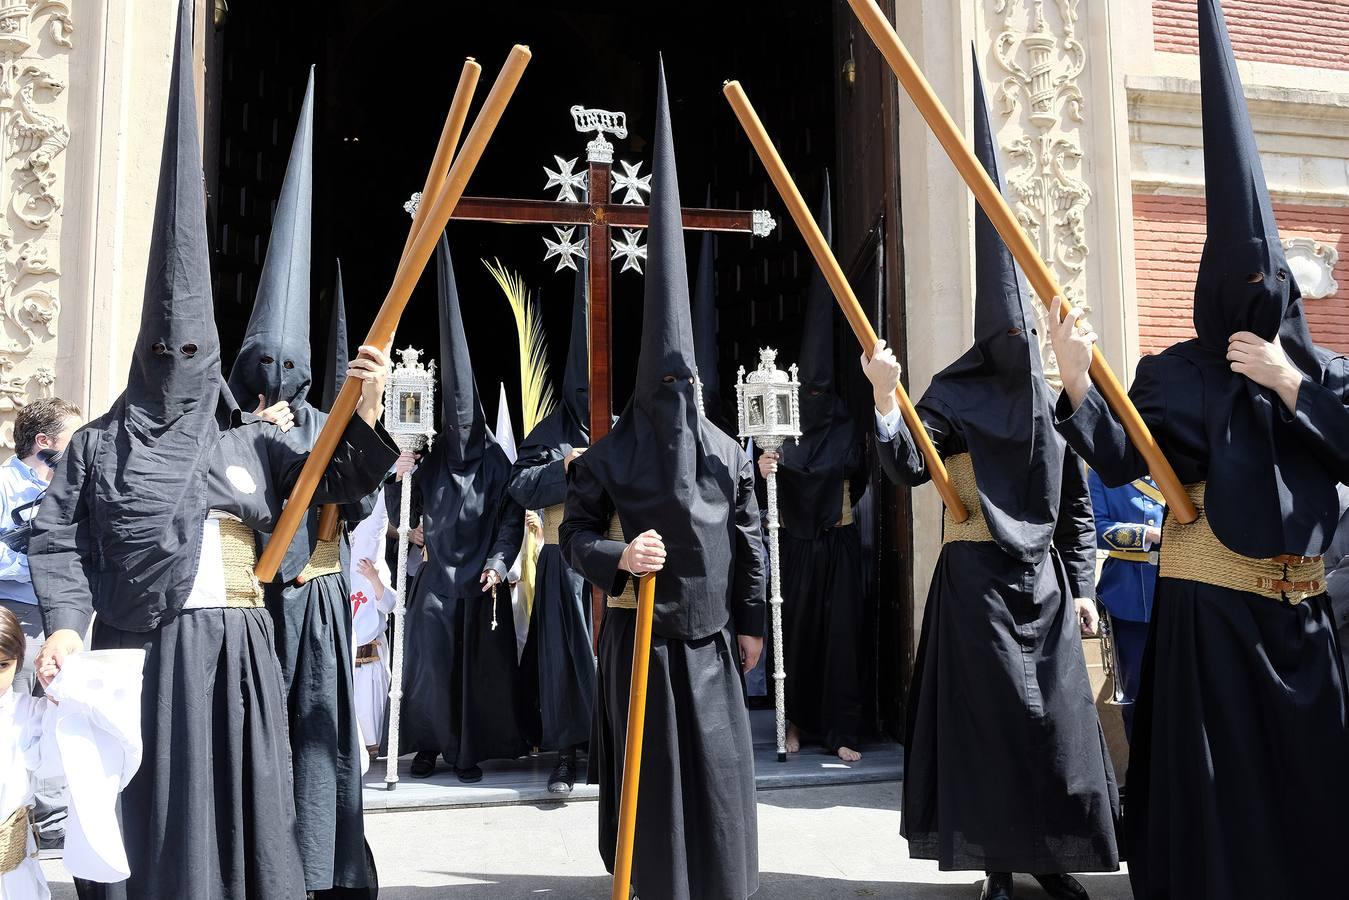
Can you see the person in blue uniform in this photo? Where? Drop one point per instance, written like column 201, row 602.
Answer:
column 1129, row 526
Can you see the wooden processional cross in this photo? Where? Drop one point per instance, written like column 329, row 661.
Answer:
column 599, row 212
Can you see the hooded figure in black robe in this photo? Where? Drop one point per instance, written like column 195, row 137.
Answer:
column 665, row 468
column 308, row 600
column 1006, row 767
column 133, row 530
column 705, row 332
column 461, row 692
column 1242, row 696
column 558, row 664
column 820, row 480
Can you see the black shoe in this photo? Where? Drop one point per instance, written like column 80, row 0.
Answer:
column 997, row 886
column 423, row 764
column 1062, row 887
column 471, row 775
column 564, row 775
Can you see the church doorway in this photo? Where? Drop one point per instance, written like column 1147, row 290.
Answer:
column 385, row 73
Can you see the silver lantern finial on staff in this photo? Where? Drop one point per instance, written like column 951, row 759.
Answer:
column 409, row 403
column 770, row 413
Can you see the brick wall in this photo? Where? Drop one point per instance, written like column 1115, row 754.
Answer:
column 1169, row 238
column 1296, row 32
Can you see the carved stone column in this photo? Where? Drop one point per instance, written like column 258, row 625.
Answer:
column 1040, row 60
column 35, row 40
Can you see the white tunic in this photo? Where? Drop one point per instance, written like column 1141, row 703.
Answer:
column 370, row 607
column 21, row 750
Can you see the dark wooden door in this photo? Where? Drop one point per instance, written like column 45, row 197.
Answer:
column 869, row 245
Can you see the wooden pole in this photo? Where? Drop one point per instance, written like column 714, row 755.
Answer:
column 632, row 754
column 838, row 283
column 435, row 179
column 1000, row 214
column 386, row 321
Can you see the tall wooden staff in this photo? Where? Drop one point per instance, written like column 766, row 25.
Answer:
column 438, row 208
column 632, row 753
column 1000, row 214
column 435, row 178
column 838, row 283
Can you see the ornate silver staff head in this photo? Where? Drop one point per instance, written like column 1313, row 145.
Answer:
column 768, row 402
column 409, row 401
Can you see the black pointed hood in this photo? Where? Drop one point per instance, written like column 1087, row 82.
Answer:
column 175, row 364
column 576, row 378
column 995, row 394
column 667, row 324
column 664, row 466
column 339, row 350
column 153, row 449
column 1267, row 494
column 274, row 361
column 829, row 451
column 463, row 425
column 705, row 329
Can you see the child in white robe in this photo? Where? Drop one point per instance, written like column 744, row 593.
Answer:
column 371, row 601
column 93, row 735
column 21, row 751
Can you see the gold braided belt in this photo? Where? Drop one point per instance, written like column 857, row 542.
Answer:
column 974, row 529
column 14, row 833
column 552, row 522
column 1194, row 553
column 238, row 557
column 325, row 560
column 846, row 518
column 627, row 599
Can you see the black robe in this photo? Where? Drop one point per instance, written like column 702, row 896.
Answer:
column 558, row 664
column 697, row 823
column 823, row 609
column 1235, row 685
column 312, row 622
column 211, row 811
column 461, row 690
column 1006, row 768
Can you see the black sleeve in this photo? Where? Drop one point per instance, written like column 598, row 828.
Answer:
column 61, row 549
column 748, row 599
column 1075, row 530
column 582, row 534
column 1322, row 419
column 510, row 535
column 363, row 457
column 1094, row 432
column 900, row 458
column 539, row 480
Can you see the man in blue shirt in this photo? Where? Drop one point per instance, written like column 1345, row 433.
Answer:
column 1129, row 526
column 41, row 432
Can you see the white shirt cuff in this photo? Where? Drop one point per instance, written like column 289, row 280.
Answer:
column 887, row 426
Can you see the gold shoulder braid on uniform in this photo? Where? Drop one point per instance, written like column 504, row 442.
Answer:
column 1194, row 553
column 627, row 599
column 974, row 529
column 14, row 833
column 326, row 560
column 552, row 522
column 238, row 557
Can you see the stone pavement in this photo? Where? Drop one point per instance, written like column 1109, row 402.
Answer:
column 816, row 843
column 525, row 780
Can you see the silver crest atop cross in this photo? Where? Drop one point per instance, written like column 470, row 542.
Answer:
column 600, row 121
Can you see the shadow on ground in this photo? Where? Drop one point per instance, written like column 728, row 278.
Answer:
column 773, row 886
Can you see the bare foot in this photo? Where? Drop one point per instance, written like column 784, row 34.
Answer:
column 793, row 738
column 848, row 754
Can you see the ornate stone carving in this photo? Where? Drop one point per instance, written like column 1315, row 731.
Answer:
column 1313, row 265
column 35, row 36
column 1042, row 57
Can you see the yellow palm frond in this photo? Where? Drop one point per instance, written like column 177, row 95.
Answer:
column 536, row 388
